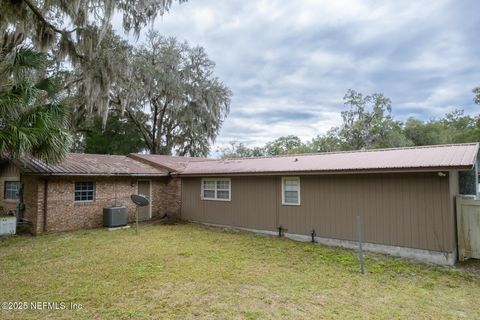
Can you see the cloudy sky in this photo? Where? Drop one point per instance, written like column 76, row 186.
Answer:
column 289, row 63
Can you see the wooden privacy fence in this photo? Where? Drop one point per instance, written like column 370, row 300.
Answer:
column 468, row 227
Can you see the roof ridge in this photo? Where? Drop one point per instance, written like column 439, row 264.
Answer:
column 196, row 159
column 351, row 151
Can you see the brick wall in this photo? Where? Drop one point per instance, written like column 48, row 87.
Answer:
column 167, row 197
column 33, row 196
column 63, row 213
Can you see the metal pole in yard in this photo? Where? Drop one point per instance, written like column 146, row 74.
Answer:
column 136, row 221
column 360, row 249
column 140, row 201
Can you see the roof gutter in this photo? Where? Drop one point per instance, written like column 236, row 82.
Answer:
column 324, row 172
column 70, row 174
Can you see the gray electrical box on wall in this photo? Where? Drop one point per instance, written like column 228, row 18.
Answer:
column 114, row 216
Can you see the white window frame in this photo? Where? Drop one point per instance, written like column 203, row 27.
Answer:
column 283, row 191
column 215, row 198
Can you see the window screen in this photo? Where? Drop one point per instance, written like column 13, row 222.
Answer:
column 216, row 189
column 223, row 189
column 291, row 190
column 209, row 189
column 84, row 191
column 11, row 190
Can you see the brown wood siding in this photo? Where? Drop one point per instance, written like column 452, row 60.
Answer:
column 401, row 209
column 252, row 203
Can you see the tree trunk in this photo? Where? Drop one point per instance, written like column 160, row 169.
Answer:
column 154, row 148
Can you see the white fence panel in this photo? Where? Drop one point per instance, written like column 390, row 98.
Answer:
column 468, row 227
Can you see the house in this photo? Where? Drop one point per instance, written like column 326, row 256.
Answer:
column 72, row 194
column 404, row 196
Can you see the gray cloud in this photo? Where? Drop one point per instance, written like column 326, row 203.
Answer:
column 289, row 63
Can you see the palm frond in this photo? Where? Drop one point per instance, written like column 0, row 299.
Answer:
column 33, row 121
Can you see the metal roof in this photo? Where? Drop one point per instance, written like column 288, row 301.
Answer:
column 438, row 157
column 90, row 164
column 173, row 163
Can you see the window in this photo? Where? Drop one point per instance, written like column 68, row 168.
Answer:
column 216, row 189
column 11, row 190
column 84, row 191
column 291, row 191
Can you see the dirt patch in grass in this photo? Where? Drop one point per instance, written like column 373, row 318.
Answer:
column 189, row 271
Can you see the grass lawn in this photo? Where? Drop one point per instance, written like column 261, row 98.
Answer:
column 189, row 271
